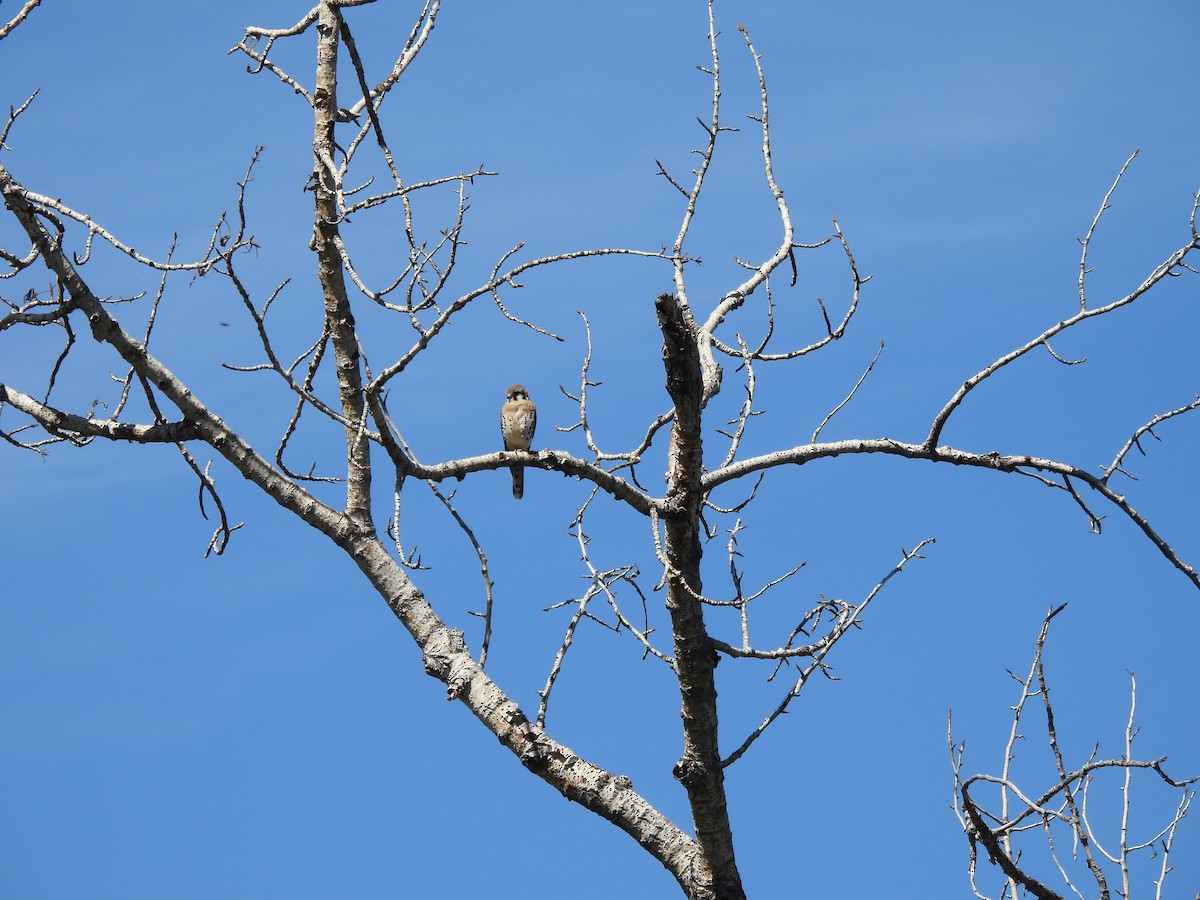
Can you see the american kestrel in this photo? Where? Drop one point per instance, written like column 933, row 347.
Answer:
column 518, row 419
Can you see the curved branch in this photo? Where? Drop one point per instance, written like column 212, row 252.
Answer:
column 997, row 855
column 738, row 295
column 202, row 265
column 1013, row 464
column 831, row 333
column 1161, row 271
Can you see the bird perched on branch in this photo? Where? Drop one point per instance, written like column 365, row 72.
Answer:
column 518, row 419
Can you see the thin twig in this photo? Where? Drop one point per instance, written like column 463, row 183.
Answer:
column 849, row 619
column 1148, row 428
column 833, row 412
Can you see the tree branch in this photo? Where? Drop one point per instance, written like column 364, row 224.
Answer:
column 1161, row 271
column 57, row 422
column 806, row 453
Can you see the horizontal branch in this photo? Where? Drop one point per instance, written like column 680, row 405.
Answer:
column 778, row 653
column 994, row 461
column 553, row 460
column 20, row 317
column 57, row 422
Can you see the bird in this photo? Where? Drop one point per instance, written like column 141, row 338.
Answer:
column 518, row 419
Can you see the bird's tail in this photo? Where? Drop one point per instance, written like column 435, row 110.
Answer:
column 518, row 476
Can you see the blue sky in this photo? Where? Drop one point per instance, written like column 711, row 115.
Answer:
column 259, row 725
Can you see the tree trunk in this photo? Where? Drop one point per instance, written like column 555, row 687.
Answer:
column 699, row 767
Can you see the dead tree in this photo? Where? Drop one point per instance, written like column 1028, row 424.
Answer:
column 343, row 380
column 1009, row 833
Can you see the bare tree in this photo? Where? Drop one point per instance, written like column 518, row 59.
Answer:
column 1010, row 831
column 342, row 380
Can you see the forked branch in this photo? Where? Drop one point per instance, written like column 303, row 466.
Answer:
column 1061, row 808
column 1167, row 267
